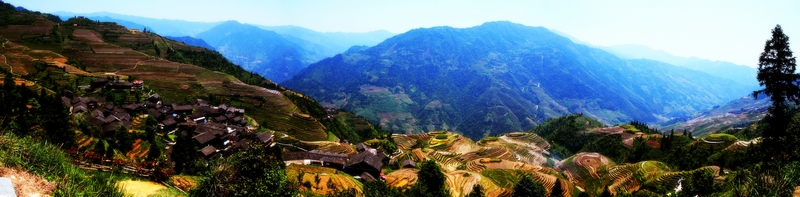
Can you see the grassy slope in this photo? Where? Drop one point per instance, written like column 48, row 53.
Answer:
column 48, row 161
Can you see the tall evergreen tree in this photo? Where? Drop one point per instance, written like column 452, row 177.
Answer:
column 776, row 72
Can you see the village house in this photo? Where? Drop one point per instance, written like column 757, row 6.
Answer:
column 366, row 165
column 314, row 157
column 265, row 138
column 214, row 137
column 409, row 164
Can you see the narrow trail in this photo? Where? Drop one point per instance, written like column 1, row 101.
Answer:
column 713, row 142
column 5, row 61
column 134, row 67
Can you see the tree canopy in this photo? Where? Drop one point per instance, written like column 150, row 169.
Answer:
column 431, row 181
column 259, row 171
column 776, row 72
column 526, row 187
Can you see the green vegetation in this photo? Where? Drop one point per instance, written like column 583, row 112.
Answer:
column 488, row 139
column 214, row 61
column 430, row 181
column 380, row 189
column 721, row 137
column 567, row 134
column 48, row 161
column 258, row 171
column 776, row 72
column 526, row 187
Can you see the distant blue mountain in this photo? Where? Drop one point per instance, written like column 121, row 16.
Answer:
column 501, row 77
column 356, row 49
column 333, row 42
column 191, row 41
column 127, row 24
column 743, row 75
column 254, row 49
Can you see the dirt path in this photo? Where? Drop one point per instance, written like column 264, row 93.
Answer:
column 27, row 184
column 10, row 68
column 139, row 188
column 134, row 67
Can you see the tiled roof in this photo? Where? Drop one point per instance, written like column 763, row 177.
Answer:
column 208, row 150
column 204, row 137
column 264, row 137
column 366, row 157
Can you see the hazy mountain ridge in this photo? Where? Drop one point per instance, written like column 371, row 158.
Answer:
column 270, row 56
column 263, row 52
column 191, row 41
column 164, row 27
column 331, row 42
column 743, row 75
column 483, row 80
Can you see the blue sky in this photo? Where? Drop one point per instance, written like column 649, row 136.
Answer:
column 728, row 30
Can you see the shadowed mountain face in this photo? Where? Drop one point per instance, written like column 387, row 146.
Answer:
column 273, row 55
column 501, row 77
column 263, row 52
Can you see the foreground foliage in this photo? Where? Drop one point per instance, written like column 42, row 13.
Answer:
column 46, row 160
column 258, row 171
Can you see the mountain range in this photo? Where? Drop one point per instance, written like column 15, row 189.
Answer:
column 501, row 77
column 84, row 100
column 741, row 74
column 275, row 52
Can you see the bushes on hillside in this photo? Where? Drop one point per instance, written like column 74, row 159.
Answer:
column 258, row 171
column 526, row 187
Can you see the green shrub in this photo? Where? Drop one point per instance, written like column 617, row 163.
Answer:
column 489, row 139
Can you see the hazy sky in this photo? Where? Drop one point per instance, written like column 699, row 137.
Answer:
column 729, row 30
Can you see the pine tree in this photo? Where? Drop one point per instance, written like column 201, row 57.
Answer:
column 776, row 72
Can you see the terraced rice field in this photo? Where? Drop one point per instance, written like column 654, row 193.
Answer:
column 321, row 180
column 461, row 182
column 403, row 178
column 482, row 164
column 583, row 167
column 506, row 178
column 327, row 146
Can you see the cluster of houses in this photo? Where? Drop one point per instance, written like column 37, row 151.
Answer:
column 117, row 84
column 217, row 129
column 365, row 165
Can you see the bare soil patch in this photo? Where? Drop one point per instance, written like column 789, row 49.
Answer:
column 27, row 184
